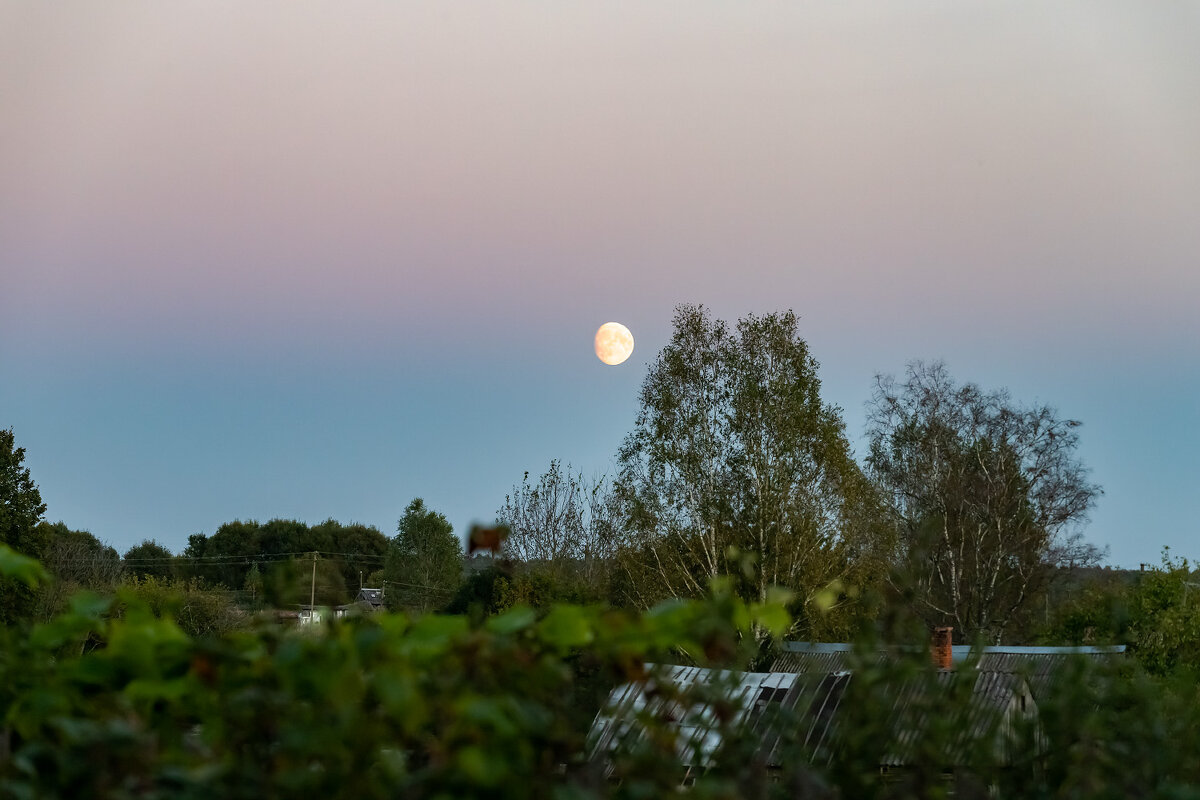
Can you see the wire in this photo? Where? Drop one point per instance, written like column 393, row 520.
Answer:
column 230, row 558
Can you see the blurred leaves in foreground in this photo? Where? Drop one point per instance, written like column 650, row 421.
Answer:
column 111, row 699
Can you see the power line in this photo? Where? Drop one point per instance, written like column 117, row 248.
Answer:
column 229, row 558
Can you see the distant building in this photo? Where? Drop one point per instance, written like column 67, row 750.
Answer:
column 372, row 599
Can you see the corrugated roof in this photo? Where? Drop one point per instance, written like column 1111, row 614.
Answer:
column 797, row 713
column 1041, row 665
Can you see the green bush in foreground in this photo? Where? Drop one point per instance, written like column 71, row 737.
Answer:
column 111, row 700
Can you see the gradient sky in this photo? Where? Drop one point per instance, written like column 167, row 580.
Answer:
column 312, row 260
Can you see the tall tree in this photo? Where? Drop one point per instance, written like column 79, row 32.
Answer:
column 562, row 526
column 424, row 561
column 21, row 505
column 736, row 467
column 986, row 496
column 21, row 509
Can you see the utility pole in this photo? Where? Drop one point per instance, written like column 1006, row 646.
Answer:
column 312, row 598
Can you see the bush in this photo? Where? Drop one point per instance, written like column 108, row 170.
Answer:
column 113, row 699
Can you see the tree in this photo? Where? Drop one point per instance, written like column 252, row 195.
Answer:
column 363, row 547
column 1163, row 608
column 561, row 526
column 424, row 561
column 149, row 559
column 254, row 585
column 21, row 505
column 21, row 509
column 736, row 467
column 75, row 561
column 985, row 495
column 297, row 581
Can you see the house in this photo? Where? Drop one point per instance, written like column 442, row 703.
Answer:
column 367, row 600
column 370, row 599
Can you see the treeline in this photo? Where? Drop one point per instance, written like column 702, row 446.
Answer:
column 965, row 510
column 275, row 560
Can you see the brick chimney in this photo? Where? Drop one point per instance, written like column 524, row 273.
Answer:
column 942, row 651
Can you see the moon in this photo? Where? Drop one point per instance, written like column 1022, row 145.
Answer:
column 614, row 343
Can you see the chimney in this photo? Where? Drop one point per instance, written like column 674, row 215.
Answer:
column 943, row 653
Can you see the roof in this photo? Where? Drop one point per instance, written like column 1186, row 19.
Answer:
column 790, row 712
column 698, row 721
column 372, row 596
column 1041, row 665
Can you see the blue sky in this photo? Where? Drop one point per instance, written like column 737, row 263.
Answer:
column 281, row 260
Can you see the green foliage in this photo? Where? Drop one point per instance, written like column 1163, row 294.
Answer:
column 21, row 505
column 382, row 706
column 1164, row 618
column 19, row 568
column 424, row 560
column 149, row 559
column 76, row 560
column 21, row 508
column 282, row 550
column 199, row 611
column 292, row 583
column 114, row 699
column 254, row 585
column 562, row 526
column 1154, row 611
column 496, row 589
column 734, row 448
column 984, row 495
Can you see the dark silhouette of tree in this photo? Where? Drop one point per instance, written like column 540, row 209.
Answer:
column 986, row 496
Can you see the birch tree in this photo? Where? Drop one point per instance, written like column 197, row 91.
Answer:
column 986, row 496
column 562, row 525
column 736, row 467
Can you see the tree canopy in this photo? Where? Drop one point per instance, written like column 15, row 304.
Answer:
column 986, row 495
column 21, row 509
column 737, row 467
column 21, row 505
column 562, row 526
column 148, row 559
column 424, row 560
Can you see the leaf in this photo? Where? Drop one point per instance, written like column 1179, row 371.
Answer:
column 778, row 595
column 515, row 619
column 827, row 597
column 775, row 618
column 21, row 568
column 566, row 626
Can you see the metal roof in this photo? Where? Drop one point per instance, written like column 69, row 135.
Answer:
column 372, row 596
column 1041, row 665
column 798, row 713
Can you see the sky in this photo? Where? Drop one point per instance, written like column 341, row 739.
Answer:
column 310, row 260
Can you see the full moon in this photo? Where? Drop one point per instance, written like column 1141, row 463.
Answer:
column 614, row 343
